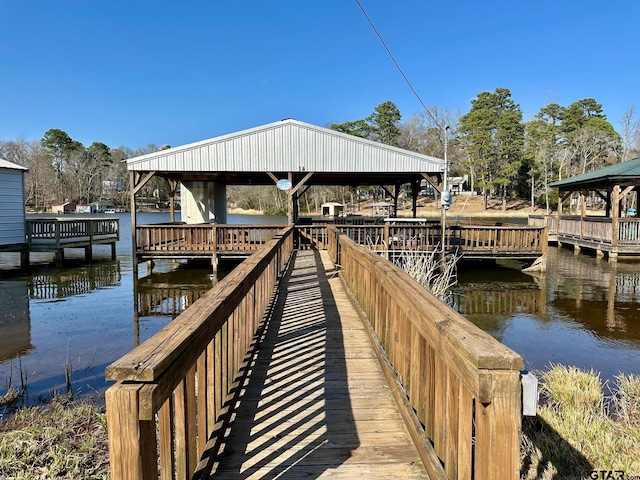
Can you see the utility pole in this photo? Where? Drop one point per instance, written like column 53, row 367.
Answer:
column 445, row 198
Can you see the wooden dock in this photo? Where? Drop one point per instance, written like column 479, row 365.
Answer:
column 279, row 371
column 615, row 237
column 317, row 404
column 57, row 234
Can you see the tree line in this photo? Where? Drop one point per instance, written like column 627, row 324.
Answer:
column 502, row 155
column 62, row 169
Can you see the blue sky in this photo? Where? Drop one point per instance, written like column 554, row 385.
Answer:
column 132, row 73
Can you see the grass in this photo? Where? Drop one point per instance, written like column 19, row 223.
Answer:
column 579, row 430
column 65, row 439
column 429, row 271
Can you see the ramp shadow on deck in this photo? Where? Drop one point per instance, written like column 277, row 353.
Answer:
column 316, row 404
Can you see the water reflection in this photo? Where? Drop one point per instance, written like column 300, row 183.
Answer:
column 15, row 325
column 582, row 311
column 88, row 315
column 167, row 294
column 603, row 295
column 74, row 281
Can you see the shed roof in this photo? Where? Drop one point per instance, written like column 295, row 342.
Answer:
column 11, row 165
column 623, row 174
column 287, row 146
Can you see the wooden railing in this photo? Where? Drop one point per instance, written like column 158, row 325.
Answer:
column 597, row 229
column 629, row 231
column 462, row 384
column 312, row 237
column 549, row 221
column 172, row 389
column 600, row 229
column 204, row 238
column 60, row 231
column 468, row 239
column 499, row 240
column 473, row 240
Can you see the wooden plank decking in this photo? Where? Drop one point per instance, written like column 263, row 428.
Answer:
column 316, row 404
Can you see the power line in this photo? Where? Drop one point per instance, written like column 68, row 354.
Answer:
column 395, row 62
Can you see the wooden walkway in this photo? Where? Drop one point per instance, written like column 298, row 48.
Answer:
column 316, row 404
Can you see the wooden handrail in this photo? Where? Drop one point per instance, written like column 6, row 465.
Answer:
column 180, row 379
column 462, row 384
column 182, row 237
column 202, row 239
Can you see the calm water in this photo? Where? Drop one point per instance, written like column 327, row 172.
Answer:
column 582, row 312
column 86, row 316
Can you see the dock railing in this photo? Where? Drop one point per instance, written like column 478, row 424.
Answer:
column 470, row 240
column 175, row 389
column 64, row 231
column 56, row 234
column 460, row 387
column 180, row 237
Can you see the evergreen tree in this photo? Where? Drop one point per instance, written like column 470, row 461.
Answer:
column 381, row 126
column 384, row 122
column 493, row 136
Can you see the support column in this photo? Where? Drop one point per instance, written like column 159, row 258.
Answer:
column 59, row 256
column 24, row 257
column 291, row 219
column 214, row 264
column 204, row 202
column 415, row 189
column 583, row 211
column 615, row 215
column 293, row 194
column 172, row 187
column 396, row 194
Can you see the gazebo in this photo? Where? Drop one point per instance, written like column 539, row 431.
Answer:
column 289, row 154
column 615, row 232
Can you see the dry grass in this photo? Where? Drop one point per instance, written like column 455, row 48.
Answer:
column 430, row 271
column 578, row 430
column 58, row 441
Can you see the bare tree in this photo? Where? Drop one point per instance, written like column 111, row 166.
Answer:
column 630, row 134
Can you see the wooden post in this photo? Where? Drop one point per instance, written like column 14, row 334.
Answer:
column 290, row 217
column 583, row 212
column 560, row 198
column 132, row 442
column 615, row 215
column 24, row 257
column 134, row 219
column 498, row 426
column 415, row 188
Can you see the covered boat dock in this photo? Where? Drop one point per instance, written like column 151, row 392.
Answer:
column 617, row 232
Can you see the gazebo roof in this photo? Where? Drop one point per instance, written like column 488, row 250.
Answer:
column 623, row 174
column 244, row 157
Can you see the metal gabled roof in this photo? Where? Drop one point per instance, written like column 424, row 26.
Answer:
column 287, row 146
column 10, row 165
column 623, row 173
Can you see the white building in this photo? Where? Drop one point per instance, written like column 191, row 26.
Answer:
column 332, row 209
